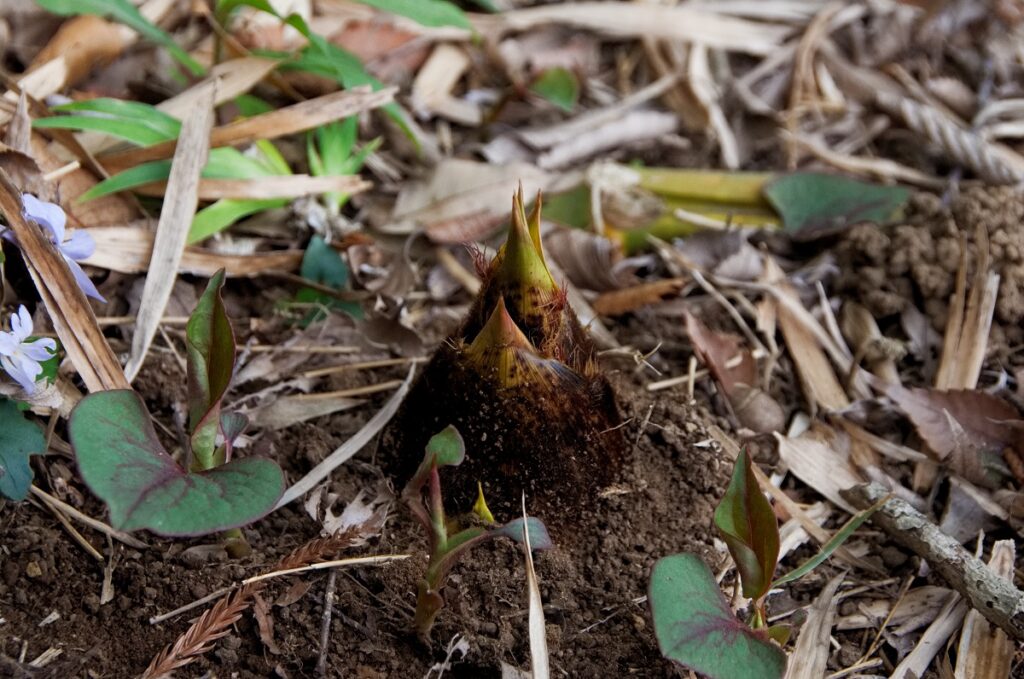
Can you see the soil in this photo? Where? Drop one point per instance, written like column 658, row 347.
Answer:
column 916, row 262
column 592, row 588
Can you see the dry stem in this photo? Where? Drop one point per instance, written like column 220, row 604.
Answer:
column 994, row 597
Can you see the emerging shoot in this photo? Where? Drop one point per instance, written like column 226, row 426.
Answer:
column 521, row 382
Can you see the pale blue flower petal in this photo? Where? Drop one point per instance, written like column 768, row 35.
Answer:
column 21, row 324
column 87, row 286
column 79, row 246
column 47, row 215
column 27, row 381
column 40, row 350
column 7, row 343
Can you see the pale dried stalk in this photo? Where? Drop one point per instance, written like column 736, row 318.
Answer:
column 217, row 622
column 810, row 656
column 288, row 120
column 172, row 229
column 69, row 311
column 992, row 163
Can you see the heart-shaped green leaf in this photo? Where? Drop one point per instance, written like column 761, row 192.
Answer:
column 696, row 628
column 19, row 438
column 749, row 528
column 124, row 464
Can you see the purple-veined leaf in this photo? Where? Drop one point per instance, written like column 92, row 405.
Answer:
column 748, row 526
column 695, row 627
column 124, row 464
column 210, row 342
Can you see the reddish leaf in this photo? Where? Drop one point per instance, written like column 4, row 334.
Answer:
column 719, row 352
column 211, row 362
column 966, row 428
column 748, row 526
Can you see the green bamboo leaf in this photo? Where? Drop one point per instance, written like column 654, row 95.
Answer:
column 748, row 526
column 136, row 132
column 321, row 57
column 559, row 86
column 144, row 173
column 225, row 212
column 431, row 13
column 19, row 438
column 122, row 461
column 126, row 13
column 841, row 536
column 165, row 124
column 696, row 628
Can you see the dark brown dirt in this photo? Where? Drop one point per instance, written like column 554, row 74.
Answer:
column 598, row 624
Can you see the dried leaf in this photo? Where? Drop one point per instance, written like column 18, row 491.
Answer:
column 265, row 622
column 967, row 428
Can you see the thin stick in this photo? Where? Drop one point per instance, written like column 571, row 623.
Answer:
column 304, row 349
column 74, row 533
column 994, row 597
column 362, row 365
column 355, row 391
column 88, row 520
column 216, row 594
column 325, row 623
column 349, row 447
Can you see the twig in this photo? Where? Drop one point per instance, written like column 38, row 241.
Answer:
column 998, row 600
column 88, row 520
column 217, row 621
column 325, row 623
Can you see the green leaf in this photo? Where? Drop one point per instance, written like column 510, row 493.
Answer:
column 432, row 13
column 210, row 345
column 225, row 212
column 140, row 175
column 124, row 464
column 321, row 57
column 695, row 627
column 136, row 132
column 841, row 536
column 19, row 438
column 748, row 526
column 322, row 264
column 559, row 86
column 813, row 205
column 164, row 123
column 125, row 13
column 446, row 448
column 539, row 536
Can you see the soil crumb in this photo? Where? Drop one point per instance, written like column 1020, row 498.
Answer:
column 916, row 262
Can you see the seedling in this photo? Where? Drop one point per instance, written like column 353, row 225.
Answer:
column 124, row 464
column 692, row 620
column 519, row 380
column 447, row 542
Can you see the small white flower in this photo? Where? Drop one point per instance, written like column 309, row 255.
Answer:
column 21, row 359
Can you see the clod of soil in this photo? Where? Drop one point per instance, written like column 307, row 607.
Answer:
column 887, row 268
